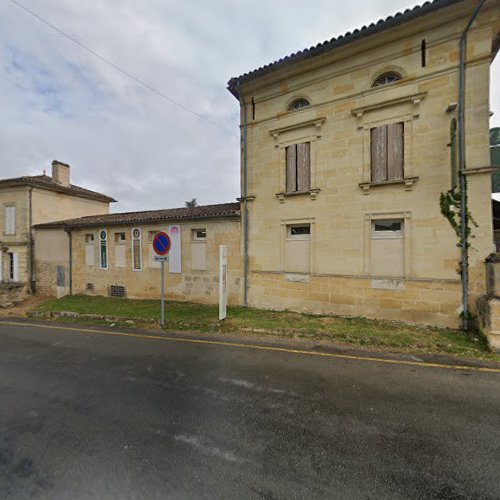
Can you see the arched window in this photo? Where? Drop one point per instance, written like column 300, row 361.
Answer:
column 386, row 79
column 298, row 104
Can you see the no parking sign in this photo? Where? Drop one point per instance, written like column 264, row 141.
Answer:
column 161, row 247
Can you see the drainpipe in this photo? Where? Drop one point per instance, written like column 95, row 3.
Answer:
column 245, row 200
column 31, row 265
column 462, row 167
column 67, row 230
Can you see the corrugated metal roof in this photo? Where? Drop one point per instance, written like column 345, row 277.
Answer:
column 46, row 182
column 150, row 216
column 357, row 34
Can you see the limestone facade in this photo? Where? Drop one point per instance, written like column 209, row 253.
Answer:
column 27, row 201
column 138, row 276
column 348, row 151
column 341, row 263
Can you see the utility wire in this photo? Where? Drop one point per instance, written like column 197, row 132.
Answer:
column 117, row 68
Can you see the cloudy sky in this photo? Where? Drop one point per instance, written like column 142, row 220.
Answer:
column 58, row 101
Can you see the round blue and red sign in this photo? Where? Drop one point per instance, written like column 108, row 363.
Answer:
column 161, row 243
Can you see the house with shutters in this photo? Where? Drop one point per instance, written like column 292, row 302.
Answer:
column 346, row 149
column 30, row 200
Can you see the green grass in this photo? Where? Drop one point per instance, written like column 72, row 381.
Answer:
column 360, row 332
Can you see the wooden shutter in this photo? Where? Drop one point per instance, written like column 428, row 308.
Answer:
column 291, row 169
column 379, row 153
column 395, row 151
column 304, row 166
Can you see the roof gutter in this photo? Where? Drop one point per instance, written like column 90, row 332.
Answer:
column 31, row 253
column 464, row 219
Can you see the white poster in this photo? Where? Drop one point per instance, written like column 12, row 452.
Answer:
column 222, row 282
column 175, row 254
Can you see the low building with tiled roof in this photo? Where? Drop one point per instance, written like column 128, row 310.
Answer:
column 112, row 254
column 223, row 210
column 30, row 200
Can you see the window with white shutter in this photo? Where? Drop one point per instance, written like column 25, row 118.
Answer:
column 89, row 250
column 10, row 219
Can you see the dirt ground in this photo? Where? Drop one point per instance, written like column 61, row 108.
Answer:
column 19, row 311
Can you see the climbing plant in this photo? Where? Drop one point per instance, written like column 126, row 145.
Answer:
column 450, row 203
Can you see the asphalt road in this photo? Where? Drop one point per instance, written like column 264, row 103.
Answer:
column 97, row 416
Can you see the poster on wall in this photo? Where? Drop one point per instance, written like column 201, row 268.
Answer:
column 175, row 256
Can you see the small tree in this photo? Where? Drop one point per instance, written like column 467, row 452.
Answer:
column 191, row 204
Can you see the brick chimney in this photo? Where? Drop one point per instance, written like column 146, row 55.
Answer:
column 60, row 173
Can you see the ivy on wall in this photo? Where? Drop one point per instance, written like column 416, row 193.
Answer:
column 450, row 203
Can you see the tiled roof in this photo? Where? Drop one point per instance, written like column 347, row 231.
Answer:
column 357, row 34
column 150, row 216
column 46, row 182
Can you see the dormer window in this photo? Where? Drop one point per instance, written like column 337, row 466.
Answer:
column 386, row 79
column 298, row 104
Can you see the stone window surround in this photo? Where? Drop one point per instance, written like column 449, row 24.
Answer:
column 365, row 124
column 374, row 216
column 311, row 132
column 312, row 239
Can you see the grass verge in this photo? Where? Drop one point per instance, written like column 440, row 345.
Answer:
column 360, row 332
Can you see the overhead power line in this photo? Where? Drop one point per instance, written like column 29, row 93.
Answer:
column 117, row 68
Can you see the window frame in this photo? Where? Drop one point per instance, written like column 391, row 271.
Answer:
column 199, row 244
column 385, row 235
column 90, row 244
column 299, row 104
column 196, row 238
column 300, row 237
column 406, row 217
column 13, row 267
column 284, row 240
column 119, row 241
column 387, row 75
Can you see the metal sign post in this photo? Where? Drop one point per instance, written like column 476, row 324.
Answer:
column 162, row 293
column 161, row 247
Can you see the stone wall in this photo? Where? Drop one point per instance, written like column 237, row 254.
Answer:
column 193, row 284
column 488, row 318
column 12, row 294
column 51, row 262
column 427, row 302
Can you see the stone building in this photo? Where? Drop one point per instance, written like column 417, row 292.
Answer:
column 112, row 254
column 346, row 150
column 30, row 200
